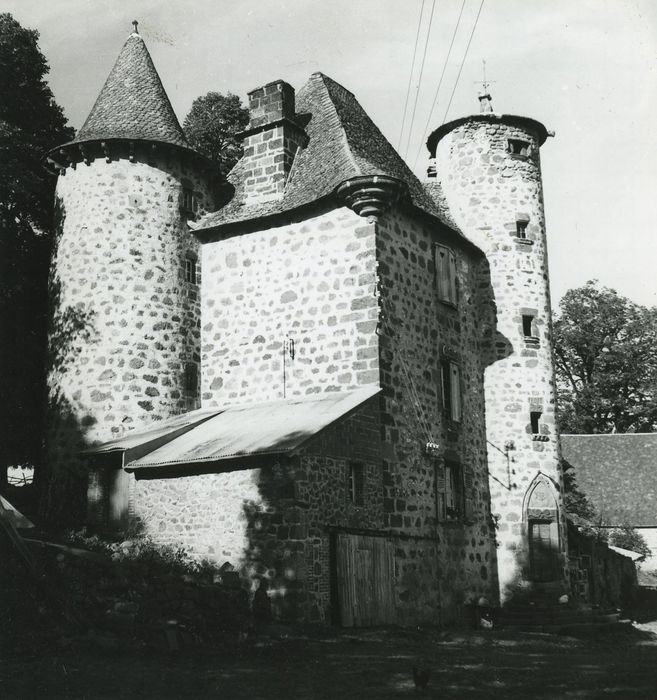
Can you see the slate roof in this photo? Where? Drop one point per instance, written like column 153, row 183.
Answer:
column 343, row 142
column 618, row 474
column 133, row 103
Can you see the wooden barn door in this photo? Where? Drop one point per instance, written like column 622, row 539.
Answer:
column 365, row 579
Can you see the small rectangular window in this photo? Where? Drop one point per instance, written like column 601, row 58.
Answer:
column 355, row 483
column 450, row 375
column 535, row 417
column 188, row 201
column 517, row 147
column 527, row 326
column 521, row 229
column 445, row 271
column 190, row 270
column 191, row 378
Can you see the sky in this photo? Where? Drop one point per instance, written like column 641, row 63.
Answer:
column 587, row 69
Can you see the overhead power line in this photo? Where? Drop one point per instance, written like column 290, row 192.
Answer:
column 410, row 77
column 419, row 82
column 463, row 61
column 440, row 82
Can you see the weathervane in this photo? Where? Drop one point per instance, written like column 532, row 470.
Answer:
column 485, row 100
column 134, row 24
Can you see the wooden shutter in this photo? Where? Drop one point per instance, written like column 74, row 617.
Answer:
column 455, row 391
column 439, row 470
column 452, row 277
column 468, row 494
column 442, row 256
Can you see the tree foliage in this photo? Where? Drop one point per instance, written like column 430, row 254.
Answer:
column 211, row 127
column 627, row 537
column 31, row 123
column 606, row 362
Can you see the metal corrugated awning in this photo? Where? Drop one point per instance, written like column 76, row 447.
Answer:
column 140, row 442
column 274, row 427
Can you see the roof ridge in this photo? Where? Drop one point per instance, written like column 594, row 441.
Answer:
column 345, row 139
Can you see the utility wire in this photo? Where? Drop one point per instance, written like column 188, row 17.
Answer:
column 463, row 61
column 419, row 82
column 410, row 76
column 440, row 82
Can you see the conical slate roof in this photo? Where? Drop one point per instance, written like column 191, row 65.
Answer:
column 133, row 103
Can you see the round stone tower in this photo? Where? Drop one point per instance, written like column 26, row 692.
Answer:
column 486, row 169
column 125, row 335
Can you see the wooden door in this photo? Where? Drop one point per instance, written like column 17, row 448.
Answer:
column 365, row 580
column 544, row 550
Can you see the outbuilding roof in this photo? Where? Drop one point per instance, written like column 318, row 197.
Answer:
column 343, row 143
column 133, row 103
column 209, row 437
column 618, row 474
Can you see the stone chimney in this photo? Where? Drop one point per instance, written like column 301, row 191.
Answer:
column 271, row 141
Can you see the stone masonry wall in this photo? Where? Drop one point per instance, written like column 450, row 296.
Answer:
column 418, row 333
column 488, row 190
column 272, row 521
column 125, row 320
column 313, row 283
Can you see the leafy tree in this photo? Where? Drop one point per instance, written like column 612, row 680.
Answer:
column 628, row 538
column 31, row 122
column 606, row 362
column 211, row 127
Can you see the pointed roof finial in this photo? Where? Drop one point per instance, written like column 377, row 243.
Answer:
column 135, row 24
column 485, row 100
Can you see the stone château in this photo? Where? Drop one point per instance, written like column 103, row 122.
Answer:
column 320, row 371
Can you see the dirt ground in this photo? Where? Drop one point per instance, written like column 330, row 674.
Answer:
column 362, row 665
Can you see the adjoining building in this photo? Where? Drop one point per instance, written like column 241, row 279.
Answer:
column 321, row 371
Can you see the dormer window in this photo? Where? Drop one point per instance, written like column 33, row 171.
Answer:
column 518, row 147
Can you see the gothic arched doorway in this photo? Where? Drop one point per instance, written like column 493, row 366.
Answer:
column 542, row 518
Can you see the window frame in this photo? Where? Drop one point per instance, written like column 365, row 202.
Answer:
column 356, row 483
column 450, row 389
column 191, row 275
column 445, row 274
column 521, row 229
column 453, row 491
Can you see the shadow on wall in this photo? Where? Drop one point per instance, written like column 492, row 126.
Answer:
column 62, row 480
column 276, row 532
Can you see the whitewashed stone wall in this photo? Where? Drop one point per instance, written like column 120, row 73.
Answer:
column 313, row 283
column 488, row 190
column 125, row 321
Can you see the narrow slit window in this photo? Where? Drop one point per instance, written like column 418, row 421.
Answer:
column 191, row 378
column 528, row 326
column 535, row 417
column 521, row 229
column 356, row 483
